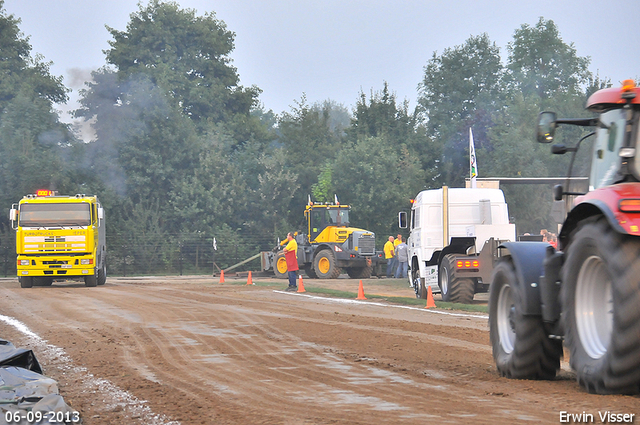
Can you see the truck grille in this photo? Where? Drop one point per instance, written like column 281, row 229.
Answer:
column 367, row 245
column 34, row 244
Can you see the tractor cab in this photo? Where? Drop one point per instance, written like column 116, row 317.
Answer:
column 616, row 130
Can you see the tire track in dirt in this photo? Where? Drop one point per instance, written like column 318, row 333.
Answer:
column 237, row 354
column 346, row 396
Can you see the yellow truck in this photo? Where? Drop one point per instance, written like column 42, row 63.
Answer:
column 59, row 238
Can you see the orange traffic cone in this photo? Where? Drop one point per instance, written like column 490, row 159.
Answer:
column 221, row 276
column 301, row 285
column 249, row 281
column 361, row 293
column 430, row 302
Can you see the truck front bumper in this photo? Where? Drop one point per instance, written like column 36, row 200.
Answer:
column 58, row 266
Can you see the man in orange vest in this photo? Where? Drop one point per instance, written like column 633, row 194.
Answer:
column 291, row 255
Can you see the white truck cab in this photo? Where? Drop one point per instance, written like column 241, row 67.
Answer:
column 454, row 234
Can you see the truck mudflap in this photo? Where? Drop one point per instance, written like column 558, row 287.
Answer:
column 528, row 260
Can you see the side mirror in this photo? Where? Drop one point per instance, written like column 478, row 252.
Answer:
column 546, row 127
column 100, row 213
column 557, row 192
column 402, row 220
column 13, row 214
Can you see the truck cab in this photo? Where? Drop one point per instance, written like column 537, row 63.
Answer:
column 59, row 238
column 451, row 224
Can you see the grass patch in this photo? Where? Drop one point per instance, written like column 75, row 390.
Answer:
column 400, row 300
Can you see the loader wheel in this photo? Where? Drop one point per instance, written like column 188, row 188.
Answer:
column 280, row 268
column 600, row 299
column 418, row 283
column 454, row 290
column 521, row 347
column 26, row 282
column 325, row 265
column 359, row 272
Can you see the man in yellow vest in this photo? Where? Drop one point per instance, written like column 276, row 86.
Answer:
column 389, row 254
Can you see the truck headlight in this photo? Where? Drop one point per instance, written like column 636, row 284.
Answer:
column 86, row 261
column 23, row 262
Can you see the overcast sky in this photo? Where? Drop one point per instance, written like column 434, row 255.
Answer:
column 333, row 49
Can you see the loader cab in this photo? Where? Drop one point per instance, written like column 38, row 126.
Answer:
column 319, row 217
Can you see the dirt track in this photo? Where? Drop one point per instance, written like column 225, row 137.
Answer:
column 192, row 351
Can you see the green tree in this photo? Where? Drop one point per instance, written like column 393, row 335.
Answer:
column 545, row 74
column 541, row 62
column 461, row 88
column 309, row 141
column 188, row 57
column 168, row 110
column 387, row 178
column 33, row 142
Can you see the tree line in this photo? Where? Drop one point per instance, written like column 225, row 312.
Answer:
column 180, row 149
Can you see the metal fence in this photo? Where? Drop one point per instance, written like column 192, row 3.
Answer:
column 177, row 254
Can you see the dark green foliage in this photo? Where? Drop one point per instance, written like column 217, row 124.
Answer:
column 461, row 88
column 34, row 145
column 182, row 153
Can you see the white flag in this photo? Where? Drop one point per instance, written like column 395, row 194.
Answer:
column 473, row 166
column 215, row 244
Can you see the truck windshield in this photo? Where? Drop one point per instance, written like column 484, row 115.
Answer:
column 53, row 215
column 338, row 216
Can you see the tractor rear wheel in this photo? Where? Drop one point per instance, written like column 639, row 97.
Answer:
column 325, row 265
column 454, row 290
column 600, row 299
column 521, row 347
column 280, row 268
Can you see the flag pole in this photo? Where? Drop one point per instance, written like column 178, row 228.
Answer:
column 473, row 165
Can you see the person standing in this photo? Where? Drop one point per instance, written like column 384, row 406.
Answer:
column 389, row 254
column 402, row 259
column 396, row 242
column 291, row 255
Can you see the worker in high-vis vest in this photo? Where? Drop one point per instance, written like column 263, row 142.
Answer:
column 291, row 255
column 389, row 254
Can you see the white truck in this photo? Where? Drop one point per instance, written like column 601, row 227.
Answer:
column 453, row 241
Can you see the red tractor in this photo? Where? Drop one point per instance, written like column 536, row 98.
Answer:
column 586, row 293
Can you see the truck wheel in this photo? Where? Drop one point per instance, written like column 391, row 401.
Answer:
column 90, row 281
column 359, row 272
column 280, row 268
column 418, row 284
column 26, row 282
column 454, row 290
column 600, row 299
column 102, row 275
column 325, row 265
column 521, row 347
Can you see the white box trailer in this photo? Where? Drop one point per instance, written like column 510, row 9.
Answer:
column 453, row 240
